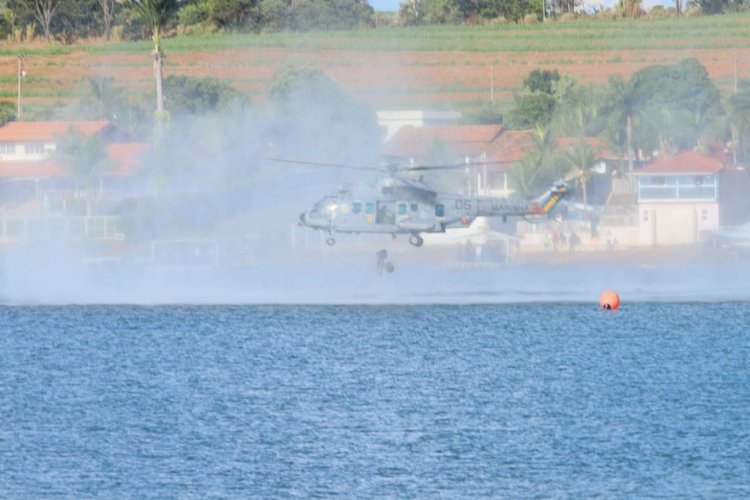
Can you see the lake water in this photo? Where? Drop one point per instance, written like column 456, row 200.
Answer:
column 505, row 400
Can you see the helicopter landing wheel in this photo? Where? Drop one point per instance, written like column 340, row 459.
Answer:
column 330, row 241
column 416, row 240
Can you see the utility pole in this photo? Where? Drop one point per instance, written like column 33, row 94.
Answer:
column 492, row 82
column 21, row 74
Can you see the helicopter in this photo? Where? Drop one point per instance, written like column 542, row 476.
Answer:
column 395, row 204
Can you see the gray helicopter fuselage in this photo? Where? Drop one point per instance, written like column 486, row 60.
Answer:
column 390, row 207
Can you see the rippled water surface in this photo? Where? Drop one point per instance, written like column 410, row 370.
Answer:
column 451, row 401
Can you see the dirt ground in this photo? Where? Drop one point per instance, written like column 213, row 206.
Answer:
column 385, row 79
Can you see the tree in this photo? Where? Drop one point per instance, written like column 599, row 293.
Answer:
column 629, row 8
column 579, row 108
column 86, row 160
column 713, row 6
column 233, row 13
column 7, row 112
column 535, row 105
column 514, row 10
column 186, row 95
column 308, row 15
column 622, row 109
column 312, row 117
column 534, row 169
column 108, row 13
column 739, row 119
column 274, row 15
column 541, row 81
column 105, row 94
column 669, row 98
column 76, row 19
column 43, row 11
column 155, row 14
column 532, row 109
column 582, row 157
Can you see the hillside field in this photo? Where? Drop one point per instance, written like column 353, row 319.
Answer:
column 441, row 67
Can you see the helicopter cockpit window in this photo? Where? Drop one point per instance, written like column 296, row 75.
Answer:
column 370, row 208
column 402, row 208
column 327, row 203
column 414, row 207
column 356, row 207
column 439, row 210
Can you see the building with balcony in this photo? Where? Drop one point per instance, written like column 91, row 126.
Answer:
column 678, row 199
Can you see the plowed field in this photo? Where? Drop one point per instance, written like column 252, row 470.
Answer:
column 437, row 67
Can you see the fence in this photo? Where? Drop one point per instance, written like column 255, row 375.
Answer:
column 61, row 228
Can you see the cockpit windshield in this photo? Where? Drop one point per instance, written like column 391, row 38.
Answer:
column 329, row 203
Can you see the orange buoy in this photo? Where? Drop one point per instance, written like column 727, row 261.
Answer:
column 609, row 300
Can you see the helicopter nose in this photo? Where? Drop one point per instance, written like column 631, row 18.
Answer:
column 303, row 218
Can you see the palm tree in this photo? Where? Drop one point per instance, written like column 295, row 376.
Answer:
column 536, row 163
column 105, row 94
column 86, row 160
column 739, row 119
column 581, row 157
column 155, row 14
column 624, row 108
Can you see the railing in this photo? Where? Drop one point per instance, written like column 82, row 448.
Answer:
column 61, row 228
column 682, row 192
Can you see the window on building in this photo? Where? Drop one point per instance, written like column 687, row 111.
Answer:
column 7, row 148
column 439, row 210
column 34, row 148
column 357, row 207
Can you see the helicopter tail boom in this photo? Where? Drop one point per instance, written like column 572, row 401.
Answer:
column 506, row 207
column 545, row 203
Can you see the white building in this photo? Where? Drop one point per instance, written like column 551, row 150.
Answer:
column 678, row 199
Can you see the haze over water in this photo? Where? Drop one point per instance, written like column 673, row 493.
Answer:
column 539, row 399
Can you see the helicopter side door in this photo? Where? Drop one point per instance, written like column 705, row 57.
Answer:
column 386, row 213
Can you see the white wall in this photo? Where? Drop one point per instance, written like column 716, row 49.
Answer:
column 675, row 223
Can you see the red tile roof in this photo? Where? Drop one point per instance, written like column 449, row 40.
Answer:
column 48, row 131
column 511, row 147
column 687, row 162
column 125, row 158
column 502, row 147
column 41, row 168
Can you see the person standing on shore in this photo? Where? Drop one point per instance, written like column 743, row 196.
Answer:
column 573, row 241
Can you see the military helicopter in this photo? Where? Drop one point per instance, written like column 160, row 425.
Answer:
column 395, row 204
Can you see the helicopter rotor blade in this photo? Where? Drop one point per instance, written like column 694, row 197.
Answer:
column 574, row 174
column 452, row 166
column 321, row 164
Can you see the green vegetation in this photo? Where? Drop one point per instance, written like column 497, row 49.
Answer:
column 581, row 35
column 200, row 95
column 661, row 109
